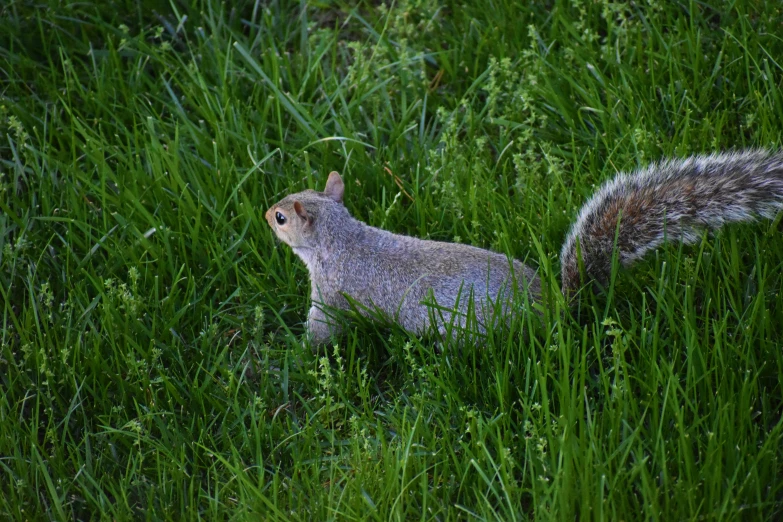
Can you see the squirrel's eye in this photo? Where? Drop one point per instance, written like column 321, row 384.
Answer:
column 280, row 218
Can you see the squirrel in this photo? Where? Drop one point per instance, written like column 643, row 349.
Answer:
column 350, row 262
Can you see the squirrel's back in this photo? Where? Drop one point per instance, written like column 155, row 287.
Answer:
column 675, row 199
column 672, row 200
column 399, row 273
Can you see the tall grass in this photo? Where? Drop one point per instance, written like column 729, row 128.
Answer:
column 152, row 360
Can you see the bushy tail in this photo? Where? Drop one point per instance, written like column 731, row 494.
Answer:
column 673, row 200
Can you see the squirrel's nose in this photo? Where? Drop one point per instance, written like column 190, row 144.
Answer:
column 268, row 216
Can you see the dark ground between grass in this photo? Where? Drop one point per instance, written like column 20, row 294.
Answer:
column 151, row 358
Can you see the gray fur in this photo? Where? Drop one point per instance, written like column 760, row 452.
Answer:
column 399, row 276
column 394, row 274
column 673, row 200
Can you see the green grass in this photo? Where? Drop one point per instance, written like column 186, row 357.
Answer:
column 151, row 355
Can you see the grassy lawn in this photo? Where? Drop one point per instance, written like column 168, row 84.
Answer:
column 152, row 362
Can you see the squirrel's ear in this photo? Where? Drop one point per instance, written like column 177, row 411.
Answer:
column 335, row 187
column 301, row 212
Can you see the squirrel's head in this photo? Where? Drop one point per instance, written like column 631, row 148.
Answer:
column 300, row 219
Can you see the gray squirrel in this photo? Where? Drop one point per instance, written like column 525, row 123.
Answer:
column 351, row 263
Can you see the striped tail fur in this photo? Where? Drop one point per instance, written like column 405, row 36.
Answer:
column 675, row 200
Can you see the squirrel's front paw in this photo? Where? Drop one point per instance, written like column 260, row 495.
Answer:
column 318, row 333
column 319, row 329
